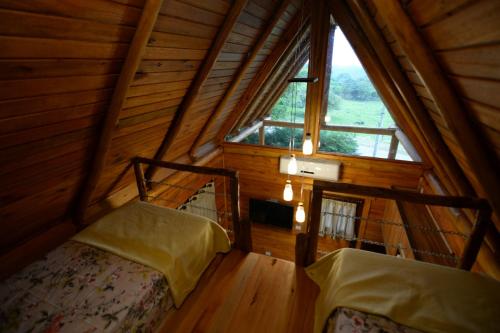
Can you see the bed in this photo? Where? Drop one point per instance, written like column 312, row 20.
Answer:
column 362, row 291
column 122, row 273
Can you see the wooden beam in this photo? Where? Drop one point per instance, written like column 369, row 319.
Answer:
column 198, row 81
column 393, row 148
column 407, row 145
column 418, row 119
column 263, row 74
column 475, row 239
column 187, row 167
column 318, row 67
column 246, row 132
column 403, row 195
column 241, row 72
column 389, row 91
column 277, row 86
column 479, row 159
column 355, row 129
column 141, row 182
column 129, row 68
column 313, row 226
column 254, row 110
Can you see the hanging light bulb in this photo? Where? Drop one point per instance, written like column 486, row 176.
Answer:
column 307, row 147
column 288, row 191
column 292, row 165
column 300, row 214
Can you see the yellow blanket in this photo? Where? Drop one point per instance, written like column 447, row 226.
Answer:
column 178, row 244
column 424, row 296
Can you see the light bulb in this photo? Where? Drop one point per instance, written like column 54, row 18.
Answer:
column 292, row 165
column 300, row 214
column 307, row 147
column 288, row 191
column 327, row 118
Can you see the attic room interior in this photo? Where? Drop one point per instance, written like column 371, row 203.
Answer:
column 249, row 165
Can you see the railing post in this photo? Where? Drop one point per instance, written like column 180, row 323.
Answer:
column 313, row 225
column 393, row 148
column 141, row 182
column 242, row 228
column 473, row 244
column 262, row 134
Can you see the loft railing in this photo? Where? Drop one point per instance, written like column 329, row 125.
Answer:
column 307, row 243
column 241, row 228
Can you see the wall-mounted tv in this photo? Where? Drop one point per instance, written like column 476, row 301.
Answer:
column 270, row 212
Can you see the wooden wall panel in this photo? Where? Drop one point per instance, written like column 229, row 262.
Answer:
column 464, row 36
column 59, row 61
column 260, row 177
column 271, row 42
column 179, row 42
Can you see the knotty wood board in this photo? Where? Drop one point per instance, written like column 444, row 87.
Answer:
column 248, row 293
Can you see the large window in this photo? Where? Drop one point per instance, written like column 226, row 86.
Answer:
column 355, row 122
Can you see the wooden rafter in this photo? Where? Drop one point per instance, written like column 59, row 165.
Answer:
column 279, row 86
column 264, row 72
column 248, row 131
column 427, row 132
column 241, row 72
column 254, row 110
column 199, row 80
column 479, row 159
column 317, row 93
column 375, row 70
column 129, row 68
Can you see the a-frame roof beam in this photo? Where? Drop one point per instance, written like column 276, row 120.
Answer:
column 433, row 144
column 377, row 73
column 241, row 72
column 129, row 68
column 264, row 72
column 280, row 83
column 253, row 110
column 480, row 160
column 199, row 80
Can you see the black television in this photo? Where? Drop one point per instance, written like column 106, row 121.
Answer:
column 271, row 212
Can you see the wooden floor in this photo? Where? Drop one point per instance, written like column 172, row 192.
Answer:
column 247, row 293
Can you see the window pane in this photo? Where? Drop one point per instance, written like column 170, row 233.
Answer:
column 252, row 138
column 352, row 99
column 291, row 106
column 371, row 145
column 280, row 136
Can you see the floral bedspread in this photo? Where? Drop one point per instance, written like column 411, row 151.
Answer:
column 344, row 320
column 78, row 288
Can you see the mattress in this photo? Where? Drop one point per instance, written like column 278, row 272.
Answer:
column 415, row 294
column 79, row 288
column 344, row 320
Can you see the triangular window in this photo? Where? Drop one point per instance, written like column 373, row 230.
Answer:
column 356, row 121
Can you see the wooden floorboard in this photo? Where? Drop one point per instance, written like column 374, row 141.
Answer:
column 248, row 293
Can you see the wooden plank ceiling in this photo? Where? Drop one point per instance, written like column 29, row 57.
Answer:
column 206, row 68
column 58, row 71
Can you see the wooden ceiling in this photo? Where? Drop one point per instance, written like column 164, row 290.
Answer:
column 86, row 85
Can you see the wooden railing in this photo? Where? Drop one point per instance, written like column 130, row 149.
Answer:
column 241, row 228
column 394, row 133
column 307, row 243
